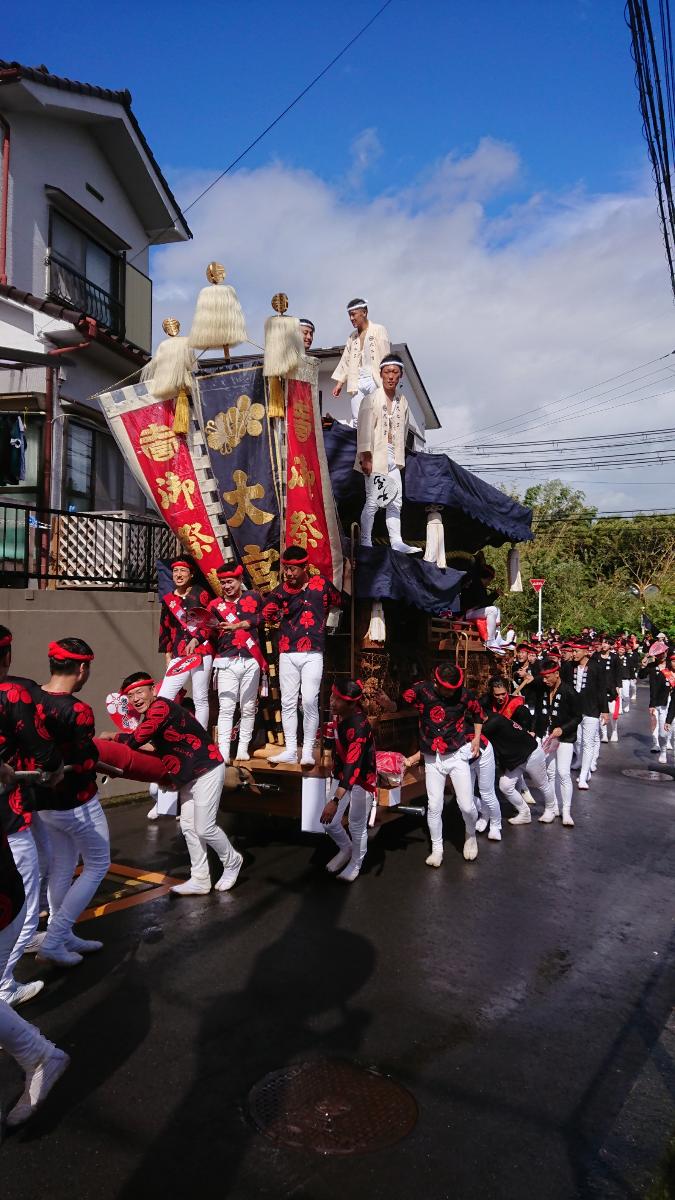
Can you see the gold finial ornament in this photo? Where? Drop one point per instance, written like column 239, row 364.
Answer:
column 169, row 372
column 171, row 326
column 280, row 303
column 284, row 348
column 215, row 272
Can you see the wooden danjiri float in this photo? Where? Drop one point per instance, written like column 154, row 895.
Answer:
column 238, row 458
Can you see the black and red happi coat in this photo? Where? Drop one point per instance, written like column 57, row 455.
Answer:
column 179, row 740
column 303, row 614
column 233, row 643
column 445, row 723
column 70, row 724
column 25, row 744
column 174, row 638
column 354, row 754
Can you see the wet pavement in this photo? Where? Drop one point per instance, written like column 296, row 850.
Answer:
column 525, row 1001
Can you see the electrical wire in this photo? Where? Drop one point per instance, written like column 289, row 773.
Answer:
column 268, row 128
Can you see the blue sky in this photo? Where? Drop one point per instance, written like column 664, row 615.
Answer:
column 553, row 79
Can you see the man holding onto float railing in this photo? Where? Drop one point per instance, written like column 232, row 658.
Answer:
column 364, row 350
column 300, row 606
column 354, row 781
column 450, row 723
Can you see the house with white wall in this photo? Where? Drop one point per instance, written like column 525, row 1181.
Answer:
column 82, row 198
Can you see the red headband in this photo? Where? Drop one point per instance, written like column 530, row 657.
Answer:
column 6, row 641
column 180, row 562
column 230, row 572
column 549, row 670
column 450, row 687
column 54, row 650
column 136, row 684
column 349, row 699
column 295, row 562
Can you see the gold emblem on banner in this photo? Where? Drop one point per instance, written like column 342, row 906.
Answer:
column 261, row 567
column 158, row 442
column 302, row 474
column 171, row 488
column 195, row 539
column 302, row 418
column 304, row 531
column 227, row 429
column 241, row 498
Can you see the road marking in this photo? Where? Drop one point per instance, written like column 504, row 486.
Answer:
column 134, row 878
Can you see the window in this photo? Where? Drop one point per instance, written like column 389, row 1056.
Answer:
column 96, row 477
column 79, row 467
column 85, row 274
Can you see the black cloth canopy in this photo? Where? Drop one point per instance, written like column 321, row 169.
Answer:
column 383, row 573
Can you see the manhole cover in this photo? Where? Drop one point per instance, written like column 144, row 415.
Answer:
column 332, row 1107
column 650, row 776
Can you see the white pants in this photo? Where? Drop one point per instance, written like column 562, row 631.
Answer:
column 20, row 1039
column 559, row 767
column 393, row 509
column 360, row 803
column 25, row 855
column 657, row 719
column 166, row 802
column 492, row 617
column 484, row 770
column 74, row 832
column 366, row 385
column 588, row 745
column 237, row 682
column 633, row 689
column 534, row 770
column 199, row 803
column 200, row 677
column 300, row 674
column 625, row 694
column 44, row 849
column 437, row 768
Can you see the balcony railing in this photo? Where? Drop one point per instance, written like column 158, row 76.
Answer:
column 59, row 549
column 72, row 288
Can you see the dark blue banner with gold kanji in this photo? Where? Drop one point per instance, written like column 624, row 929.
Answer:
column 241, row 452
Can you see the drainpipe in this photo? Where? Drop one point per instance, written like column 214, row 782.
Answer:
column 51, row 395
column 4, row 125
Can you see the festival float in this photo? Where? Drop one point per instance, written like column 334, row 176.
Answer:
column 236, row 456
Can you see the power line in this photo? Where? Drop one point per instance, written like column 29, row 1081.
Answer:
column 268, row 128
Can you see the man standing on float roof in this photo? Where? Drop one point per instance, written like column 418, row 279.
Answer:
column 364, row 350
column 307, row 329
column 380, row 453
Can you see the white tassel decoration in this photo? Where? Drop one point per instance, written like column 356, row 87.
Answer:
column 218, row 317
column 377, row 630
column 170, row 368
column 284, row 346
column 435, row 547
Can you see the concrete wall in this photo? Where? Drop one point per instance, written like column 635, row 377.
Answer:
column 121, row 627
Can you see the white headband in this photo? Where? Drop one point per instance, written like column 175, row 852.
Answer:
column 361, row 304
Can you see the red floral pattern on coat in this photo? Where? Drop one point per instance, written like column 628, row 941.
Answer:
column 231, row 643
column 294, row 608
column 184, row 747
column 23, row 747
column 70, row 724
column 446, row 722
column 354, row 752
column 173, row 638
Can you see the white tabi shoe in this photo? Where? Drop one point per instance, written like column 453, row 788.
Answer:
column 83, row 945
column 521, row 818
column 39, row 1083
column 229, row 876
column 60, row 955
column 615, row 736
column 307, row 757
column 286, row 756
column 191, row 887
column 153, row 814
column 403, row 548
column 567, row 819
column 527, row 796
column 23, row 992
column 495, row 835
column 339, row 861
column 35, row 943
column 604, row 737
column 663, row 757
column 350, row 873
column 481, row 825
column 583, row 787
column 655, row 749
column 548, row 815
column 470, row 849
column 435, row 859
column 242, row 754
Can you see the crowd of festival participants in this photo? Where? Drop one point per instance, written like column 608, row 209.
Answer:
column 544, row 714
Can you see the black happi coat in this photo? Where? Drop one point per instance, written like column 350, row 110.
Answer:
column 303, row 614
column 173, row 638
column 446, row 721
column 354, row 753
column 180, row 741
column 561, row 712
column 25, row 744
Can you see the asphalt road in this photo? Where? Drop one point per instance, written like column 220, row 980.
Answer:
column 524, row 1000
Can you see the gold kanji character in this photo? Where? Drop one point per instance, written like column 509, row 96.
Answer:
column 158, row 442
column 197, row 542
column 227, row 429
column 172, row 487
column 302, row 418
column 302, row 474
column 261, row 564
column 241, row 497
column 303, row 530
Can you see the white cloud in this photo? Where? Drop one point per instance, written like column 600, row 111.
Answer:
column 502, row 313
column 366, row 150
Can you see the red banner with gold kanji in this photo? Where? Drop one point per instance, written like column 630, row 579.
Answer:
column 166, row 465
column 311, row 520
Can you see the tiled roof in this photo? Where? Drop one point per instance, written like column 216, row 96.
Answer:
column 13, row 72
